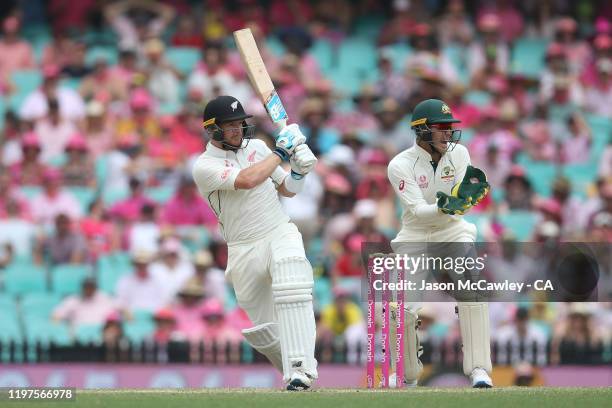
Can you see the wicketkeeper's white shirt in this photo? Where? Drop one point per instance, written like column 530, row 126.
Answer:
column 416, row 183
column 244, row 215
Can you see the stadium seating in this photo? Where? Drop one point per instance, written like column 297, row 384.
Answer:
column 138, row 331
column 528, row 56
column 108, row 54
column 84, row 195
column 160, row 194
column 38, row 305
column 521, row 223
column 322, row 293
column 24, row 278
column 45, row 331
column 398, row 53
column 478, row 98
column 110, row 269
column 9, row 330
column 25, row 82
column 183, row 59
column 88, row 333
column 66, row 279
column 323, row 52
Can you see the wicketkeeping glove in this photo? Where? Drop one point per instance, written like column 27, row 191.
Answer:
column 453, row 205
column 476, row 190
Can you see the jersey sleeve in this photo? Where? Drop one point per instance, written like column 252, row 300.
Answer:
column 403, row 181
column 213, row 175
column 278, row 175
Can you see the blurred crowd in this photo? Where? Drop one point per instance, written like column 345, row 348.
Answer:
column 102, row 107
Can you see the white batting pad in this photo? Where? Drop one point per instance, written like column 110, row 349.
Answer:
column 264, row 338
column 475, row 335
column 412, row 347
column 292, row 284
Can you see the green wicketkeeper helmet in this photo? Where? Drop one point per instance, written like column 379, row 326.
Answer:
column 430, row 112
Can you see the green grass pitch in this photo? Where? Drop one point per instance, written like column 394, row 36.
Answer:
column 337, row 398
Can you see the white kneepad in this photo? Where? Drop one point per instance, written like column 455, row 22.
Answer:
column 292, row 292
column 475, row 335
column 264, row 338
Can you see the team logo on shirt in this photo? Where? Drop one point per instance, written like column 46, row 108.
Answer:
column 251, row 157
column 423, row 183
column 448, row 173
column 402, row 185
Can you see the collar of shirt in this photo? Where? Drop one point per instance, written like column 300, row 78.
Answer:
column 217, row 151
column 422, row 153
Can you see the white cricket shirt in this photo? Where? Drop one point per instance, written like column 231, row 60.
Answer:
column 416, row 183
column 244, row 215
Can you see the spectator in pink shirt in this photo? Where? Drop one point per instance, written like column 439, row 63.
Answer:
column 36, row 104
column 54, row 200
column 188, row 311
column 577, row 149
column 58, row 50
column 492, row 46
column 79, row 168
column 490, row 131
column 539, row 143
column 54, row 132
column 101, row 85
column 10, row 194
column 29, row 170
column 98, row 129
column 558, row 84
column 512, row 19
column 577, row 50
column 598, row 98
column 91, row 306
column 188, row 208
column 15, row 54
column 101, row 235
column 126, row 68
column 165, row 326
column 186, row 132
column 468, row 113
column 217, row 328
column 602, row 47
column 129, row 209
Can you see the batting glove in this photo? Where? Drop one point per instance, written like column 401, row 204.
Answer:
column 302, row 161
column 288, row 139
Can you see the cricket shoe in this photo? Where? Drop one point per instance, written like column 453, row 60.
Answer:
column 480, row 379
column 299, row 382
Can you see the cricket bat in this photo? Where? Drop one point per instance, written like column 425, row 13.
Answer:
column 259, row 77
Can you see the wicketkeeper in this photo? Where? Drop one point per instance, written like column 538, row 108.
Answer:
column 241, row 179
column 436, row 185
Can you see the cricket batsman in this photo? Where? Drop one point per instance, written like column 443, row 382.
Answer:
column 241, row 178
column 436, row 185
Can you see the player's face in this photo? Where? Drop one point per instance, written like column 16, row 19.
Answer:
column 441, row 136
column 232, row 132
